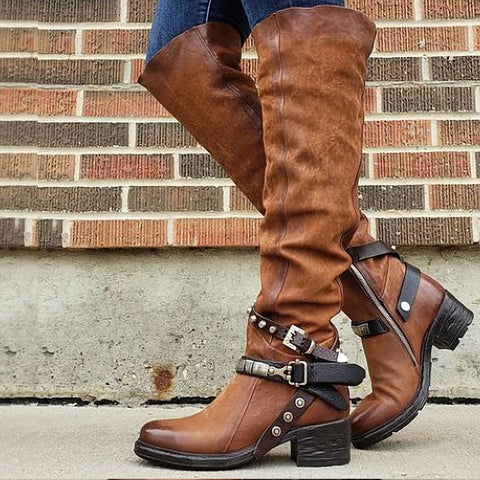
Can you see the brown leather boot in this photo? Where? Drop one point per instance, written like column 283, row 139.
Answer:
column 209, row 78
column 280, row 395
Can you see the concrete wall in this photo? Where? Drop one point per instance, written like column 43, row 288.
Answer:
column 136, row 325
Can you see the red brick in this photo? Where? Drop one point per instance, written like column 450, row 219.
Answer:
column 22, row 166
column 238, row 201
column 455, row 197
column 138, row 66
column 33, row 101
column 115, row 41
column 398, row 133
column 141, row 11
column 217, row 232
column 250, row 67
column 422, row 39
column 126, row 166
column 118, row 233
column 422, row 165
column 56, row 41
column 56, row 167
column 477, row 38
column 460, row 132
column 383, row 10
column 122, row 104
column 18, row 40
column 370, row 100
column 439, row 9
column 249, row 45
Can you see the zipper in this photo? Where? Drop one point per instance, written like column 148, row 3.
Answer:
column 383, row 311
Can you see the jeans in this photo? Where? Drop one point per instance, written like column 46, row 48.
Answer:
column 173, row 17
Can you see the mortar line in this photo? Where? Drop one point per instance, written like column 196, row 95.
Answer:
column 226, row 199
column 418, row 10
column 28, row 236
column 66, row 233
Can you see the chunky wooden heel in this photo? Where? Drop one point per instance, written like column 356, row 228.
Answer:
column 451, row 324
column 322, row 446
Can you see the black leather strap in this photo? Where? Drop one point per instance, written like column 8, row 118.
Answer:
column 371, row 328
column 299, row 373
column 409, row 290
column 371, row 250
column 293, row 337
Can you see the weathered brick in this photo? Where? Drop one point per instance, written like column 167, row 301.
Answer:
column 15, row 101
column 18, row 133
column 249, row 45
column 58, row 135
column 60, row 199
column 455, row 197
column 121, row 104
column 175, row 199
column 49, row 232
column 11, row 232
column 439, row 9
column 79, row 72
column 115, row 41
column 381, row 10
column 477, row 38
column 460, row 132
column 428, row 99
column 200, row 165
column 477, row 161
column 141, row 11
column 164, row 134
column 217, row 232
column 56, row 167
column 250, row 67
column 425, row 231
column 370, row 100
column 364, row 167
column 397, row 133
column 126, row 166
column 422, row 39
column 394, row 70
column 56, row 102
column 391, row 197
column 56, row 41
column 422, row 165
column 18, row 70
column 118, row 233
column 238, row 201
column 22, row 166
column 18, row 40
column 138, row 66
column 455, row 68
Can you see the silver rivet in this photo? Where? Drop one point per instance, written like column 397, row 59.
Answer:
column 405, row 306
column 288, row 417
column 262, row 323
column 271, row 370
column 272, row 329
column 249, row 310
column 253, row 318
column 276, row 431
column 299, row 402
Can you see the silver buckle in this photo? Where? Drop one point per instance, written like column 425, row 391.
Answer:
column 287, row 341
column 305, row 373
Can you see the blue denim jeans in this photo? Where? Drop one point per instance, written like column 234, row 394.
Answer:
column 173, row 17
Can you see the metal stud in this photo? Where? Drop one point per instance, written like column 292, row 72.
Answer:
column 249, row 310
column 299, row 402
column 271, row 370
column 253, row 318
column 405, row 306
column 262, row 323
column 272, row 330
column 288, row 417
column 340, row 341
column 276, row 431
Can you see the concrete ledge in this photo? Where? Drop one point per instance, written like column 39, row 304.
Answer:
column 129, row 326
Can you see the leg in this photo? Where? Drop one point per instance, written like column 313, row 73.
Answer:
column 173, row 17
column 372, row 286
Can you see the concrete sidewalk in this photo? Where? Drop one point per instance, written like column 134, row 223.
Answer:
column 96, row 443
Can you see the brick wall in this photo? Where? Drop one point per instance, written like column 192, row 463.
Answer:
column 88, row 159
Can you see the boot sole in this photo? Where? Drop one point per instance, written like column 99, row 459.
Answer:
column 314, row 446
column 446, row 331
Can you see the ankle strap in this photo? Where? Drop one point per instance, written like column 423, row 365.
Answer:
column 295, row 338
column 371, row 250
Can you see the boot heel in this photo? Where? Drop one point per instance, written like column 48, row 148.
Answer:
column 322, row 446
column 451, row 324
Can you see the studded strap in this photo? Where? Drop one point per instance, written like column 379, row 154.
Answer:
column 294, row 338
column 409, row 290
column 371, row 250
column 274, row 434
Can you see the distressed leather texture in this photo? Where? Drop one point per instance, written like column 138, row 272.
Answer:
column 312, row 138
